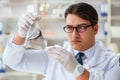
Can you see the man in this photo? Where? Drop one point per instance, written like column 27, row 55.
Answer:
column 64, row 63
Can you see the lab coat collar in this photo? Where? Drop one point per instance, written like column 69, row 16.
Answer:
column 100, row 55
column 96, row 54
column 89, row 52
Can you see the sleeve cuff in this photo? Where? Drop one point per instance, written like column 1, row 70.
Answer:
column 11, row 44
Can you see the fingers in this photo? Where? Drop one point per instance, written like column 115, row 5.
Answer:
column 58, row 50
column 29, row 18
column 28, row 21
column 63, row 57
column 57, row 58
column 31, row 15
column 58, row 53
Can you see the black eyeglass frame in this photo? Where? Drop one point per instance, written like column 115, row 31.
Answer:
column 76, row 28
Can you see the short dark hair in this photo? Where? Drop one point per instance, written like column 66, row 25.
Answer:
column 84, row 11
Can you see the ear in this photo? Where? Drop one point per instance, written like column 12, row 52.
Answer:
column 96, row 29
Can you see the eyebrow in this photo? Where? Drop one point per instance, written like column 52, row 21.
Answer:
column 83, row 24
column 80, row 24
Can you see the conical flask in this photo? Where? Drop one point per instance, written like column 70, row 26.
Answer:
column 34, row 38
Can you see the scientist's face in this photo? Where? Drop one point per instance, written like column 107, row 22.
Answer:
column 80, row 39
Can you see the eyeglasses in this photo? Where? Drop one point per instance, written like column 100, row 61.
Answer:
column 79, row 28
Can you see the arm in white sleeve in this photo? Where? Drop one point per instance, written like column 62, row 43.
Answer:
column 16, row 57
column 112, row 73
column 11, row 54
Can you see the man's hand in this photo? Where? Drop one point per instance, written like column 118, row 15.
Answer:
column 27, row 21
column 66, row 59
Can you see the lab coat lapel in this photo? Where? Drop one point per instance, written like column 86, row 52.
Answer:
column 99, row 57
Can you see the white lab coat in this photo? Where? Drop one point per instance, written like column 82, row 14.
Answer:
column 114, row 72
column 100, row 65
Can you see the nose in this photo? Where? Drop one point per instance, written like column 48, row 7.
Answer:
column 75, row 33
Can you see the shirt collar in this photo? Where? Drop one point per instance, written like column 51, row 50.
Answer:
column 89, row 52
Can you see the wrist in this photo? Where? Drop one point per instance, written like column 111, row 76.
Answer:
column 79, row 69
column 18, row 39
